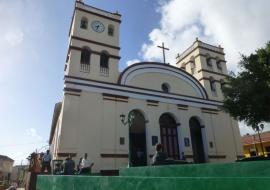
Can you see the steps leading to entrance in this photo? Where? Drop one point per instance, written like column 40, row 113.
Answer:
column 238, row 169
column 232, row 176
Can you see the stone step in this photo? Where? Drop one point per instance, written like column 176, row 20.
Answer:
column 151, row 183
column 238, row 169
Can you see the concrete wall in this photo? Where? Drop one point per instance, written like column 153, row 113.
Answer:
column 92, row 125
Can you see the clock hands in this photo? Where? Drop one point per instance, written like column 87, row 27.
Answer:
column 97, row 26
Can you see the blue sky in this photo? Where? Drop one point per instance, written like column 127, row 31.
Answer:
column 33, row 47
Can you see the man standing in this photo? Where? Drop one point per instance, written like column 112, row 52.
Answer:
column 86, row 165
column 68, row 166
column 46, row 162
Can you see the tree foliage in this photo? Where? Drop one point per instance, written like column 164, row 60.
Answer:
column 247, row 95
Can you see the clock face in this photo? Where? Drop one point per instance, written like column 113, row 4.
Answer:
column 97, row 26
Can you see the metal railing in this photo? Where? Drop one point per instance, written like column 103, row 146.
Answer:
column 104, row 71
column 85, row 68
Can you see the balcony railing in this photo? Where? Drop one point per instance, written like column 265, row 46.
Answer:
column 104, row 71
column 85, row 68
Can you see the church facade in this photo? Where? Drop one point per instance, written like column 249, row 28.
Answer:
column 119, row 117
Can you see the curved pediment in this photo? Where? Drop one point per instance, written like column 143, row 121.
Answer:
column 151, row 75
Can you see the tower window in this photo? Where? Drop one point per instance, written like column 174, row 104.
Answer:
column 165, row 87
column 85, row 59
column 84, row 23
column 104, row 63
column 111, row 30
column 192, row 65
column 219, row 66
column 209, row 62
column 213, row 86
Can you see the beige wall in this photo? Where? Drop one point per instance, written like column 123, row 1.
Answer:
column 198, row 52
column 73, row 64
column 92, row 125
column 153, row 80
column 6, row 166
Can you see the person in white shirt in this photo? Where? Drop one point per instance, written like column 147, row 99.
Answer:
column 86, row 165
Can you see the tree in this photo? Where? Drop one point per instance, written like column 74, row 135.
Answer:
column 247, row 95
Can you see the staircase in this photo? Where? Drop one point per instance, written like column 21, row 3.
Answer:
column 227, row 176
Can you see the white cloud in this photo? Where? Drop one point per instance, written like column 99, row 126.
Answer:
column 14, row 38
column 32, row 132
column 239, row 26
column 131, row 62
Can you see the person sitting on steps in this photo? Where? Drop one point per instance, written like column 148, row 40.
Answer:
column 159, row 156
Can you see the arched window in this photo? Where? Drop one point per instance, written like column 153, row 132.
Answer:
column 84, row 23
column 208, row 61
column 192, row 65
column 219, row 66
column 212, row 86
column 85, row 55
column 85, row 59
column 111, row 30
column 104, row 63
column 165, row 87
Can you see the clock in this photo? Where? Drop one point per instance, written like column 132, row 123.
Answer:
column 97, row 26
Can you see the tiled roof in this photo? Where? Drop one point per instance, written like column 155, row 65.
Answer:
column 251, row 139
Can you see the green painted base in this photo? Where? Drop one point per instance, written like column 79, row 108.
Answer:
column 237, row 169
column 150, row 183
column 230, row 176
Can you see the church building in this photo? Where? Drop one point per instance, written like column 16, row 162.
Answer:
column 114, row 115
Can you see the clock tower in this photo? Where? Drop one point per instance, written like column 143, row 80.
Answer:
column 93, row 51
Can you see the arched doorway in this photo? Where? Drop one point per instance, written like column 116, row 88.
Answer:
column 169, row 136
column 138, row 152
column 197, row 140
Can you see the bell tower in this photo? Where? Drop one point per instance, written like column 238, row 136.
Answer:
column 93, row 51
column 207, row 64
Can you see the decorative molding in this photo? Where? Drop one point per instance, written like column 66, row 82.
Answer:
column 205, row 78
column 213, row 72
column 71, row 94
column 102, row 87
column 136, row 88
column 195, row 48
column 210, row 111
column 115, row 98
column 97, row 8
column 94, row 42
column 94, row 52
column 182, row 107
column 97, row 14
column 152, row 103
column 65, row 154
column 72, row 90
column 200, row 55
column 144, row 67
column 103, row 155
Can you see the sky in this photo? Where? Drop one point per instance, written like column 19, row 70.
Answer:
column 34, row 40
